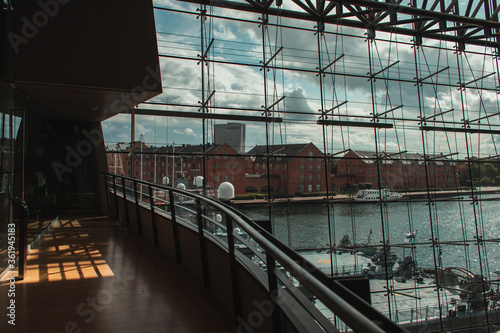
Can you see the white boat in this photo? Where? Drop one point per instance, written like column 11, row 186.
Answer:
column 374, row 195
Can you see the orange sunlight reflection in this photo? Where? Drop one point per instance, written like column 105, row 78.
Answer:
column 71, row 257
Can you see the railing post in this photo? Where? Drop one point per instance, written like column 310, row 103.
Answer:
column 116, row 198
column 137, row 211
column 203, row 253
column 175, row 229
column 108, row 199
column 273, row 292
column 153, row 220
column 235, row 287
column 127, row 219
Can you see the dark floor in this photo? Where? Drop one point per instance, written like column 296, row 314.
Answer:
column 93, row 275
column 34, row 229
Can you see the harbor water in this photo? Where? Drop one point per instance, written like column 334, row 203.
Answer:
column 445, row 234
column 455, row 225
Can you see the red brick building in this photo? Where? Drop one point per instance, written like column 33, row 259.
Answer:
column 293, row 168
column 223, row 164
column 182, row 163
column 118, row 157
column 397, row 171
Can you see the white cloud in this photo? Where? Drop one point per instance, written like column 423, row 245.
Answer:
column 243, row 87
column 187, row 131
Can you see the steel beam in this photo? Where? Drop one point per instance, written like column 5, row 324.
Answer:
column 439, row 15
column 199, row 115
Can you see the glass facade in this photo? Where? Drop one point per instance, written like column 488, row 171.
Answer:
column 11, row 177
column 392, row 141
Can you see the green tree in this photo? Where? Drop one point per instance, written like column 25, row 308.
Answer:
column 365, row 186
column 489, row 170
column 486, row 181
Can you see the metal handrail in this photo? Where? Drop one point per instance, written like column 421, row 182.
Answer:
column 357, row 314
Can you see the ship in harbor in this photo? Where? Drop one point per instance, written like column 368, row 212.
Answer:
column 377, row 195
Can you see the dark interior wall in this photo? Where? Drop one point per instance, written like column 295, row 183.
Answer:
column 5, row 56
column 101, row 165
column 72, row 64
column 84, row 60
column 62, row 171
column 60, row 161
column 91, row 43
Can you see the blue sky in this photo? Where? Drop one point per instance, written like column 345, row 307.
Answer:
column 242, row 86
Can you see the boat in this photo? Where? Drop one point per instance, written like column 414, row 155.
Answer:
column 375, row 195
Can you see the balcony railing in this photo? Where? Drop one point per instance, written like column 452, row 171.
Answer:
column 255, row 278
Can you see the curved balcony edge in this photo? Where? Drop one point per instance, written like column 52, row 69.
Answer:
column 257, row 280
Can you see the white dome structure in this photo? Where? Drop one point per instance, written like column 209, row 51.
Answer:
column 226, row 191
column 181, row 186
column 198, row 181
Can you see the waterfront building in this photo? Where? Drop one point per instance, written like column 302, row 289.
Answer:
column 399, row 171
column 221, row 162
column 185, row 162
column 294, row 168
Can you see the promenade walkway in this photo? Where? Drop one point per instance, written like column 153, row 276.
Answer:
column 91, row 275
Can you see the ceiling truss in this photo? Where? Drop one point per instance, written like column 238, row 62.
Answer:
column 475, row 23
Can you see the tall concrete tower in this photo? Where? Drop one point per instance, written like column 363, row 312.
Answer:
column 231, row 133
